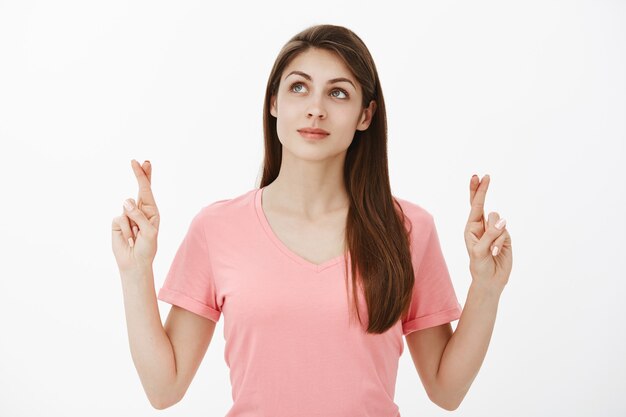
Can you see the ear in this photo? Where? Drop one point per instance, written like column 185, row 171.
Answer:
column 366, row 116
column 273, row 107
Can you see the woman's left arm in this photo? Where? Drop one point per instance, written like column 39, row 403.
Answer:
column 491, row 260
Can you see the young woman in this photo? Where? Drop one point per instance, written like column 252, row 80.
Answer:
column 305, row 336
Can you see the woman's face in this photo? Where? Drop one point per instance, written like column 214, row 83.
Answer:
column 307, row 98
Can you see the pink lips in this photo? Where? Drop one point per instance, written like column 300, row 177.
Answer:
column 313, row 133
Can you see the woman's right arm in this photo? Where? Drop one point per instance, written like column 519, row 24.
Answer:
column 150, row 346
column 167, row 358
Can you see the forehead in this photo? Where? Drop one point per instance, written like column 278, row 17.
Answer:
column 320, row 64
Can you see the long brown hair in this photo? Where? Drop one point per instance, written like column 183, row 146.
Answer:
column 376, row 236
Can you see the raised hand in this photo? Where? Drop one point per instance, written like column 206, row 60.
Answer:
column 488, row 245
column 135, row 232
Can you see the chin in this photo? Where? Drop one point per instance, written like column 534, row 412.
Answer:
column 313, row 152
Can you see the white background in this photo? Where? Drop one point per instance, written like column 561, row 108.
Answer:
column 532, row 93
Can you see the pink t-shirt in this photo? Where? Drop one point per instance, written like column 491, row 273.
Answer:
column 289, row 343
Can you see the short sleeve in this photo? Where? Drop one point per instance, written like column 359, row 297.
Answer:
column 433, row 299
column 190, row 283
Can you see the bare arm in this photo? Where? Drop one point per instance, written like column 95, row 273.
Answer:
column 166, row 361
column 426, row 347
column 447, row 362
column 465, row 351
column 166, row 358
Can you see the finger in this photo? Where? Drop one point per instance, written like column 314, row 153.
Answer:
column 478, row 201
column 133, row 227
column 492, row 233
column 118, row 235
column 147, row 168
column 474, row 182
column 134, row 213
column 123, row 225
column 145, row 190
column 496, row 247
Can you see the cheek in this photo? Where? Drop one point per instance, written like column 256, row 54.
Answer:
column 287, row 120
column 349, row 122
column 285, row 107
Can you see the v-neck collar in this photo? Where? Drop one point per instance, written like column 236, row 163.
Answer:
column 279, row 243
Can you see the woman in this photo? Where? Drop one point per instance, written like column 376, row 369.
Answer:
column 270, row 261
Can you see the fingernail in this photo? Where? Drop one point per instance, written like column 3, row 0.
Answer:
column 130, row 242
column 500, row 224
column 129, row 205
column 135, row 229
column 494, row 252
column 146, row 161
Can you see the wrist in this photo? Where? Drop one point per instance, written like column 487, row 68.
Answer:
column 136, row 273
column 486, row 290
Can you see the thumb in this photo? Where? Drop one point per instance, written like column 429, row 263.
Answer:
column 133, row 212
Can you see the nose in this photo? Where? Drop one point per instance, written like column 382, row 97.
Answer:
column 316, row 109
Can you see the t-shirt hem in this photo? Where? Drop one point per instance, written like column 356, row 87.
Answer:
column 188, row 303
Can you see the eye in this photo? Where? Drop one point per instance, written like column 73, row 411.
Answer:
column 341, row 91
column 293, row 85
column 291, row 88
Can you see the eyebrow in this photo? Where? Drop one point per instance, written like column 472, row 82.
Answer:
column 332, row 81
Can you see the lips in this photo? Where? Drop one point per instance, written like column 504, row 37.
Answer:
column 315, row 131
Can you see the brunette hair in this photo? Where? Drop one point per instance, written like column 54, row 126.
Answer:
column 376, row 236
